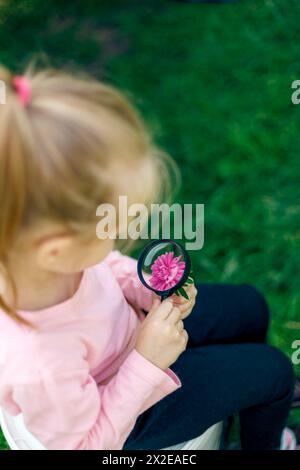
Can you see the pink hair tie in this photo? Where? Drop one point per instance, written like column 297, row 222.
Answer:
column 23, row 89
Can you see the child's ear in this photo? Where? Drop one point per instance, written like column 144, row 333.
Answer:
column 51, row 253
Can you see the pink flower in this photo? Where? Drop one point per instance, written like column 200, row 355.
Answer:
column 167, row 271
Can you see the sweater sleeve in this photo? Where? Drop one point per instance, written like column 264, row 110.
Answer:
column 69, row 411
column 125, row 271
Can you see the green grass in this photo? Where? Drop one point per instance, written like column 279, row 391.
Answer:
column 214, row 83
column 3, row 443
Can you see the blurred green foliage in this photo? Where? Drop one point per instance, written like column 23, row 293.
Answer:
column 214, row 84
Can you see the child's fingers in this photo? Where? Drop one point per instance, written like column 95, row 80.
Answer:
column 162, row 310
column 178, row 299
column 185, row 307
column 190, row 288
column 174, row 316
column 191, row 292
column 156, row 303
column 180, row 325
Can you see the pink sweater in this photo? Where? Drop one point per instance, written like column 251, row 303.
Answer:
column 77, row 379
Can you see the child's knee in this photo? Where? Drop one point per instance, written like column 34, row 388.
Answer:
column 283, row 371
column 258, row 305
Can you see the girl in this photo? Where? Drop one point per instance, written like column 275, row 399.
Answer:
column 80, row 360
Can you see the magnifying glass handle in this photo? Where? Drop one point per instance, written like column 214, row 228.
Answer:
column 164, row 297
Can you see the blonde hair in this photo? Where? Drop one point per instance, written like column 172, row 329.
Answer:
column 56, row 161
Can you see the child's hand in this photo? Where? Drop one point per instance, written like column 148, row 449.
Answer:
column 185, row 305
column 162, row 337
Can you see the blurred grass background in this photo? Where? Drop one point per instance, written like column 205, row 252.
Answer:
column 214, row 84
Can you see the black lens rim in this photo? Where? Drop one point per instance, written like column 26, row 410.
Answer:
column 187, row 270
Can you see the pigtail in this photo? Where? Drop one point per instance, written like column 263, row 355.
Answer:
column 13, row 177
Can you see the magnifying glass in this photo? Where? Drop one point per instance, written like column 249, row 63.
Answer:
column 164, row 267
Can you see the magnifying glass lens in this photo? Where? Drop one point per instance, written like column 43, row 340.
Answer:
column 164, row 266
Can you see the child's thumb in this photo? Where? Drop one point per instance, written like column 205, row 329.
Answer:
column 155, row 304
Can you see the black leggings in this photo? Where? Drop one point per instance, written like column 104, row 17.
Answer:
column 227, row 368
